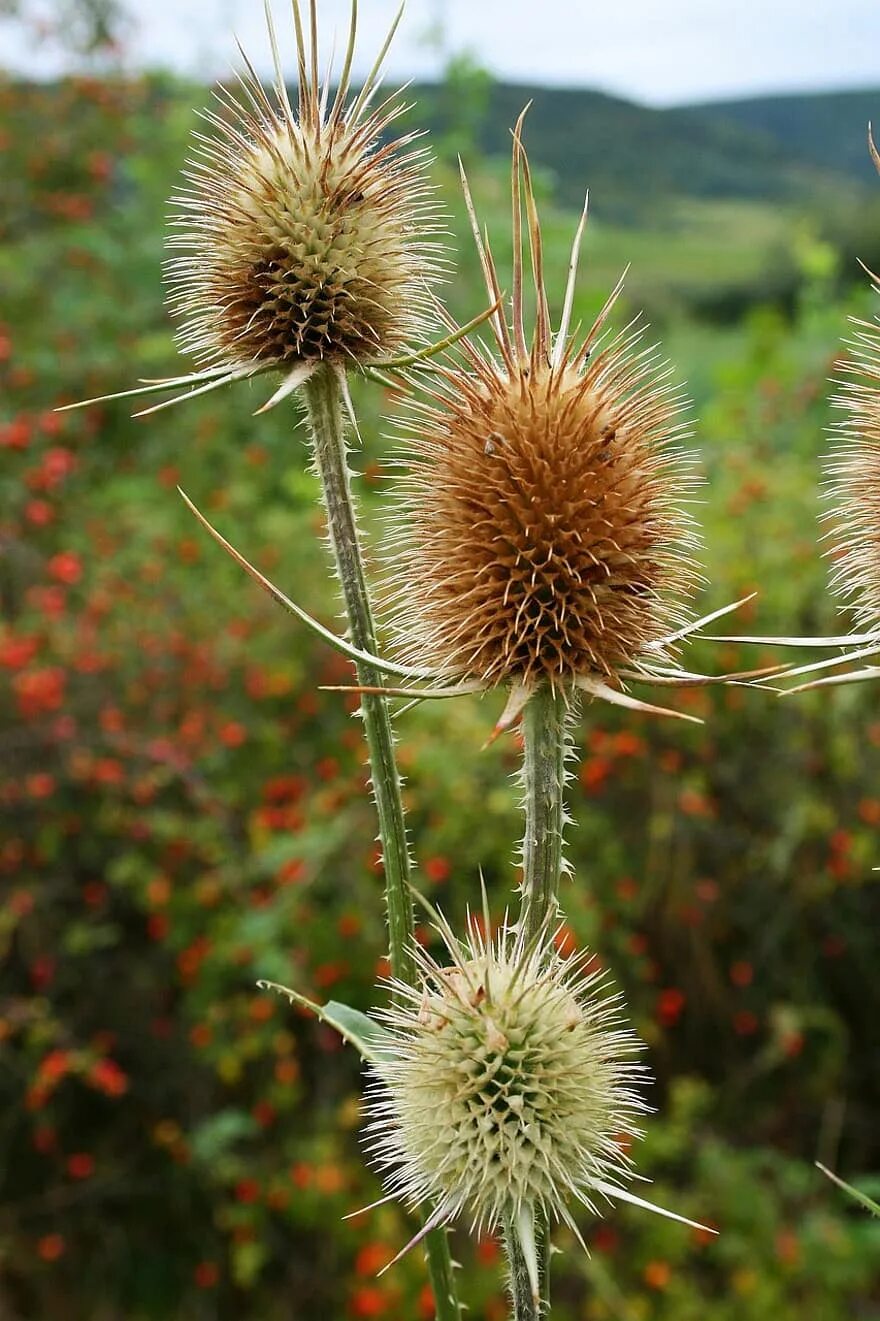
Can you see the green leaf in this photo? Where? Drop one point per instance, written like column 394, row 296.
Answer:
column 861, row 1198
column 217, row 1135
column 368, row 1037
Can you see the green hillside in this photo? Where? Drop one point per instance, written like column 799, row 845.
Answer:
column 789, row 149
column 828, row 130
column 717, row 206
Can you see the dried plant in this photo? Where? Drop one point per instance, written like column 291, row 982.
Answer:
column 543, row 533
column 544, row 544
column 852, row 513
column 305, row 237
column 854, row 472
column 307, row 245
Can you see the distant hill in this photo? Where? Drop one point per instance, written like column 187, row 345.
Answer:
column 828, row 129
column 785, row 149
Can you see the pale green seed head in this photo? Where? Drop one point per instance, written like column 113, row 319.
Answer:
column 511, row 1085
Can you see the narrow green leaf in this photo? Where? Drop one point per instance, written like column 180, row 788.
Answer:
column 862, row 1198
column 369, row 1038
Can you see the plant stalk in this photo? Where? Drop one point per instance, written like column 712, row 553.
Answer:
column 543, row 775
column 324, row 404
column 526, row 1307
column 544, row 743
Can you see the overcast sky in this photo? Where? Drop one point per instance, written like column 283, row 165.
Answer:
column 659, row 51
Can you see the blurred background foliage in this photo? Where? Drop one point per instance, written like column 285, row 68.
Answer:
column 184, row 811
column 89, row 28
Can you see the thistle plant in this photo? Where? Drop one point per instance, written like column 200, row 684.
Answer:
column 854, row 469
column 543, row 531
column 852, row 513
column 544, row 545
column 303, row 239
column 853, row 473
column 601, row 575
column 505, row 1091
column 304, row 244
column 543, row 540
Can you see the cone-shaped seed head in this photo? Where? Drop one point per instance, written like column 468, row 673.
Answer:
column 542, row 530
column 854, row 472
column 510, row 1085
column 541, row 534
column 854, row 486
column 304, row 238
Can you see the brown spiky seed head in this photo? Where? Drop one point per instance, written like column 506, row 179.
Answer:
column 542, row 526
column 302, row 236
column 541, row 533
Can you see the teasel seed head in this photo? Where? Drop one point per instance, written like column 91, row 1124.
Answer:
column 541, row 528
column 508, row 1084
column 303, row 236
column 853, row 471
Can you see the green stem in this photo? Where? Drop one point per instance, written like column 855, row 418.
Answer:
column 440, row 1271
column 526, row 1307
column 544, row 741
column 544, row 744
column 324, row 403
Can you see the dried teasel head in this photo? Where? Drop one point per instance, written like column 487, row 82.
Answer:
column 853, row 477
column 853, row 471
column 304, row 235
column 542, row 532
column 507, row 1086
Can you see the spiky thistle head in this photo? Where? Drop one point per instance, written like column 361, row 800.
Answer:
column 853, row 471
column 508, row 1085
column 542, row 531
column 302, row 236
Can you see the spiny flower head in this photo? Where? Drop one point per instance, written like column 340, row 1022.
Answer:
column 303, row 237
column 854, row 472
column 508, row 1085
column 854, row 480
column 542, row 529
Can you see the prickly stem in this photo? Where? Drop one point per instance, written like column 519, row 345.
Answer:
column 525, row 1304
column 543, row 774
column 324, row 404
